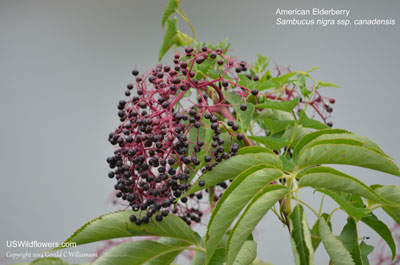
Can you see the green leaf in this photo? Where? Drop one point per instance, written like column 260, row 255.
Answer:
column 169, row 37
column 332, row 179
column 139, row 252
column 229, row 169
column 204, row 134
column 264, row 83
column 365, row 251
column 315, row 240
column 260, row 65
column 345, row 152
column 247, row 253
column 270, row 142
column 378, row 226
column 173, row 37
column 301, row 83
column 117, row 224
column 244, row 117
column 326, row 84
column 310, row 123
column 218, row 257
column 254, row 212
column 348, row 207
column 334, row 247
column 391, row 193
column 287, row 106
column 300, row 237
column 246, row 82
column 349, row 238
column 311, row 136
column 287, row 164
column 199, row 258
column 284, row 79
column 49, row 261
column 235, row 197
column 170, row 9
column 254, row 150
column 274, row 114
column 332, row 134
column 363, row 141
column 275, row 126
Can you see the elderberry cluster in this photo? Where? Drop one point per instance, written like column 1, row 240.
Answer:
column 158, row 145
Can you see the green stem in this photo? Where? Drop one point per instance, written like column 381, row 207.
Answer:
column 288, row 204
column 312, row 94
column 322, row 203
column 183, row 15
column 330, row 215
column 196, row 249
column 293, row 136
column 309, row 207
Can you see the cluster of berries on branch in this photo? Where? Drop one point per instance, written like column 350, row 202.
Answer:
column 160, row 144
column 158, row 141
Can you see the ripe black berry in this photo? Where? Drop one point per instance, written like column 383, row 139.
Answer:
column 201, row 183
column 254, row 92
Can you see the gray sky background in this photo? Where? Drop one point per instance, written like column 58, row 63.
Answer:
column 64, row 66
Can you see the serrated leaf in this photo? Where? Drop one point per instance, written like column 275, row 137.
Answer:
column 218, row 258
column 379, row 227
column 254, row 212
column 332, row 179
column 235, row 197
column 270, row 142
column 168, row 258
column 260, row 65
column 287, row 164
column 315, row 239
column 275, row 126
column 199, row 258
column 117, row 225
column 284, row 79
column 300, row 237
column 311, row 136
column 390, row 193
column 345, row 152
column 287, row 106
column 247, row 253
column 246, row 82
column 254, row 150
column 229, row 169
column 306, row 122
column 331, row 134
column 139, row 252
column 300, row 82
column 170, row 33
column 326, row 84
column 264, row 83
column 205, row 134
column 170, row 9
column 338, row 254
column 365, row 251
column 348, row 207
column 244, row 117
column 349, row 238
